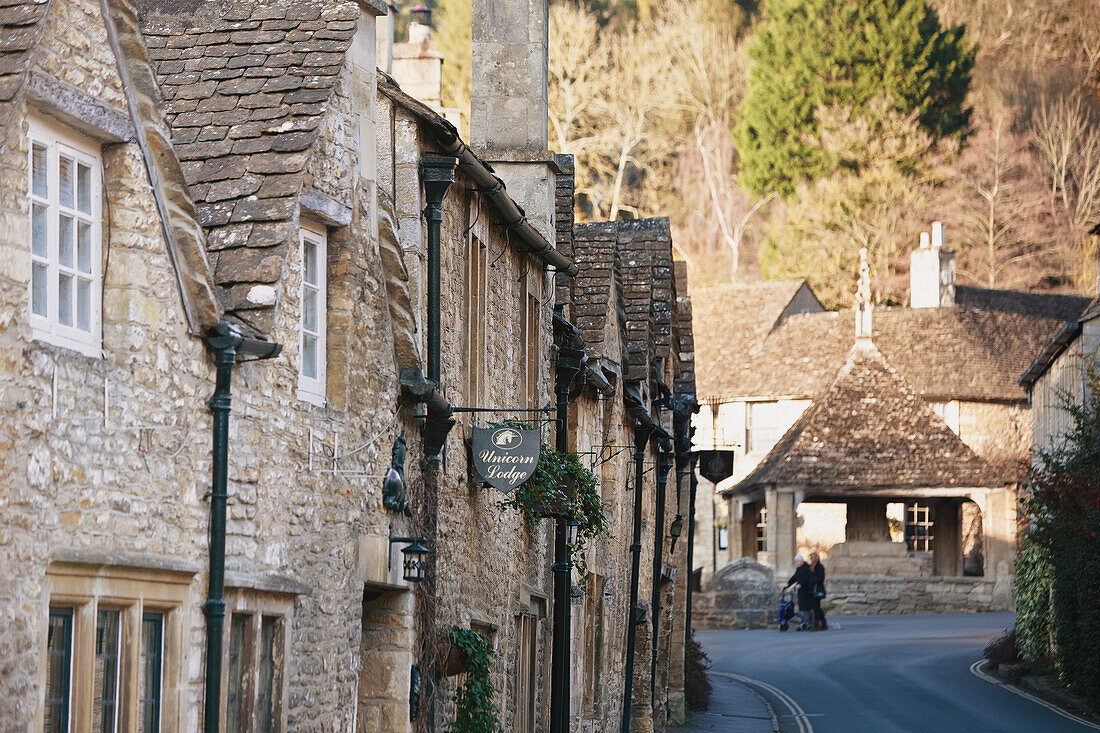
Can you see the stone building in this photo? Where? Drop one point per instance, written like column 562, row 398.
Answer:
column 198, row 198
column 787, row 413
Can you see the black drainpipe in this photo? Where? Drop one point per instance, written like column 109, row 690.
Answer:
column 644, row 429
column 226, row 344
column 437, row 173
column 570, row 363
column 664, row 463
column 693, row 482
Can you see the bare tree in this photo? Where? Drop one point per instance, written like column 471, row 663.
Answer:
column 1067, row 139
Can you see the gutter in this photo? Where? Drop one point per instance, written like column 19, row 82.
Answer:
column 226, row 343
column 570, row 336
column 482, row 174
column 1061, row 341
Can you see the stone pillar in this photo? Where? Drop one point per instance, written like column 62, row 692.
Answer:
column 782, row 528
column 866, row 521
column 947, row 537
column 508, row 102
column 999, row 518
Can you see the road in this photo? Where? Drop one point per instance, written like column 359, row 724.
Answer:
column 882, row 674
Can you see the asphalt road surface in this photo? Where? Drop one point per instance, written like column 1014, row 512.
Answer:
column 882, row 674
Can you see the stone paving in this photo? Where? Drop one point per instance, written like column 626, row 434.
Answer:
column 734, row 708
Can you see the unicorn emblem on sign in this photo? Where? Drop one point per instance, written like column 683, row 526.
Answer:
column 507, row 438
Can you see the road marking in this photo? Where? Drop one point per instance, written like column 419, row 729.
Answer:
column 795, row 710
column 977, row 670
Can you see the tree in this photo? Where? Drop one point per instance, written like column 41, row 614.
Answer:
column 809, row 54
column 884, row 162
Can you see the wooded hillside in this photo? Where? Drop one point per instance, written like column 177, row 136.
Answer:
column 782, row 136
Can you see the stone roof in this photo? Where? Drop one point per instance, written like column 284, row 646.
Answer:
column 20, row 31
column 643, row 248
column 684, row 335
column 870, row 429
column 245, row 90
column 976, row 350
column 756, row 308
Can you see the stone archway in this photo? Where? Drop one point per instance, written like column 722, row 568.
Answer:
column 386, row 661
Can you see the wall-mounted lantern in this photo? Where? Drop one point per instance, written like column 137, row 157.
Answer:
column 675, row 530
column 573, row 529
column 415, row 558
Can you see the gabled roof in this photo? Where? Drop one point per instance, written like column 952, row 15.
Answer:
column 733, row 320
column 245, row 90
column 870, row 430
column 976, row 350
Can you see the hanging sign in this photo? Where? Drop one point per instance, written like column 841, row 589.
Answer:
column 504, row 456
column 716, row 465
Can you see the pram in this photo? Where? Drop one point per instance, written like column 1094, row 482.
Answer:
column 787, row 614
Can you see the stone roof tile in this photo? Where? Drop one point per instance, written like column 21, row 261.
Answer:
column 254, row 79
column 976, row 350
column 20, row 31
column 870, row 429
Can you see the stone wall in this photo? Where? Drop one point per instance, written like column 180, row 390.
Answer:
column 885, row 595
column 744, row 595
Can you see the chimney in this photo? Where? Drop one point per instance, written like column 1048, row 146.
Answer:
column 932, row 272
column 508, row 102
column 417, row 63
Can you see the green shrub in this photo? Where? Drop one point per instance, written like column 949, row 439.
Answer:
column 697, row 686
column 1064, row 508
column 1034, row 583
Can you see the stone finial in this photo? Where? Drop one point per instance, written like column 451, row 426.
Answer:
column 863, row 297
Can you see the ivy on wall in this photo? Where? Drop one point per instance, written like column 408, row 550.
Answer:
column 474, row 708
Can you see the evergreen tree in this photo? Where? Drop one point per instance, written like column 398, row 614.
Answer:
column 809, row 54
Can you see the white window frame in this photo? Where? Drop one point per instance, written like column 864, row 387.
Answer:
column 60, row 140
column 310, row 389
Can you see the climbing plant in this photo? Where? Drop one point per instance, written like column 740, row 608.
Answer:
column 474, row 708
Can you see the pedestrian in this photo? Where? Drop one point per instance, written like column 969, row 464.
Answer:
column 817, row 584
column 803, row 581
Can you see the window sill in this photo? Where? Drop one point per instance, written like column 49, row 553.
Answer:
column 85, row 348
column 314, row 398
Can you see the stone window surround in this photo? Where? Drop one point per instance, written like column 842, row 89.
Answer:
column 85, row 585
column 256, row 600
column 313, row 390
column 60, row 138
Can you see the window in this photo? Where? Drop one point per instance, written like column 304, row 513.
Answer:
column 113, row 656
column 266, row 697
column 151, row 664
column 105, row 674
column 66, row 225
column 477, row 287
column 593, row 641
column 253, row 684
column 763, row 426
column 525, row 673
column 918, row 527
column 236, row 695
column 530, row 340
column 762, row 530
column 59, row 665
column 311, row 371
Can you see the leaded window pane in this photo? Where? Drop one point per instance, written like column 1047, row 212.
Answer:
column 59, row 662
column 150, row 664
column 105, row 680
